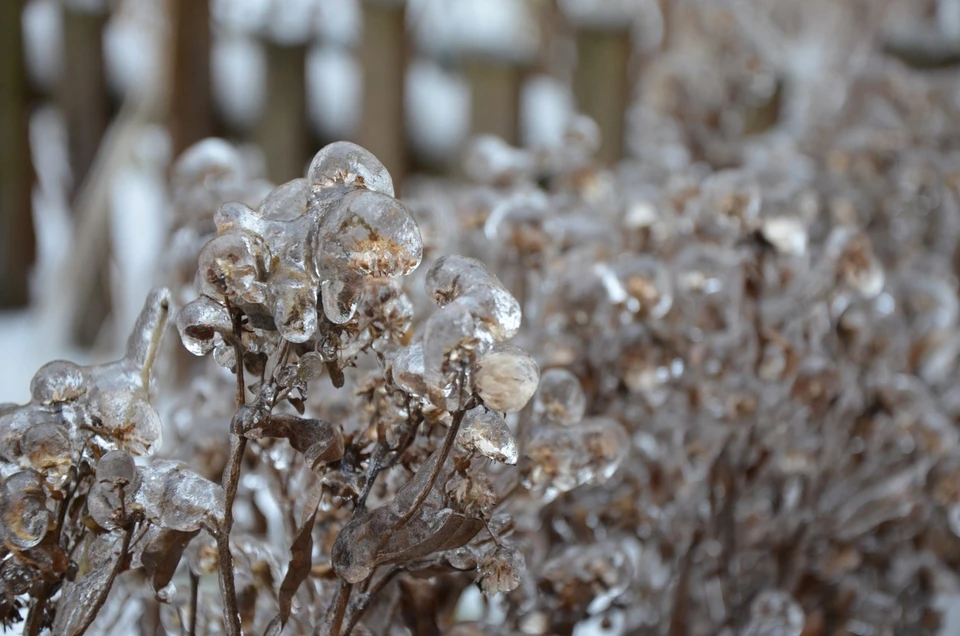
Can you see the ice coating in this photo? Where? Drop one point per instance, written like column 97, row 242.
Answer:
column 467, row 282
column 505, row 378
column 370, row 233
column 560, row 459
column 310, row 242
column 560, row 398
column 346, row 164
column 485, row 433
column 105, row 405
column 176, row 498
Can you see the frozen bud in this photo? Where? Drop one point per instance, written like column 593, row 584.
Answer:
column 408, row 369
column 500, row 571
column 560, row 399
column 117, row 470
column 58, row 381
column 24, row 506
column 485, row 433
column 286, row 202
column 345, row 164
column 775, row 613
column 206, row 161
column 490, row 160
column 370, row 233
column 640, row 283
column 199, row 321
column 506, row 378
column 230, row 267
column 111, row 497
column 787, row 234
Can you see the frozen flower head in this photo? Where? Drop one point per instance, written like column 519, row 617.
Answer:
column 306, row 249
column 75, row 409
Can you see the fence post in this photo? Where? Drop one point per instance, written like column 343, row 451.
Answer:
column 383, row 57
column 17, row 243
column 191, row 99
column 283, row 132
column 601, row 83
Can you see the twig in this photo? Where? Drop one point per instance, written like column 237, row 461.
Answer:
column 437, row 467
column 230, row 481
column 364, row 601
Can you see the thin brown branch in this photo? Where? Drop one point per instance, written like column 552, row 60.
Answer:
column 102, row 597
column 437, row 467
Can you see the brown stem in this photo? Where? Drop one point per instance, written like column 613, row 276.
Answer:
column 230, row 482
column 338, row 609
column 364, row 601
column 437, row 467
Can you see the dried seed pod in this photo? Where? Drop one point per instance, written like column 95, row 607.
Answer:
column 505, row 378
column 501, row 570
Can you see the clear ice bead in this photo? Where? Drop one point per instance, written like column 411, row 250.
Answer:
column 199, row 321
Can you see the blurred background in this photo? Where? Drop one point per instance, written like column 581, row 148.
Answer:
column 99, row 97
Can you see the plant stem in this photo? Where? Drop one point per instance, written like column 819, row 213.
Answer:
column 363, row 602
column 230, row 482
column 437, row 467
